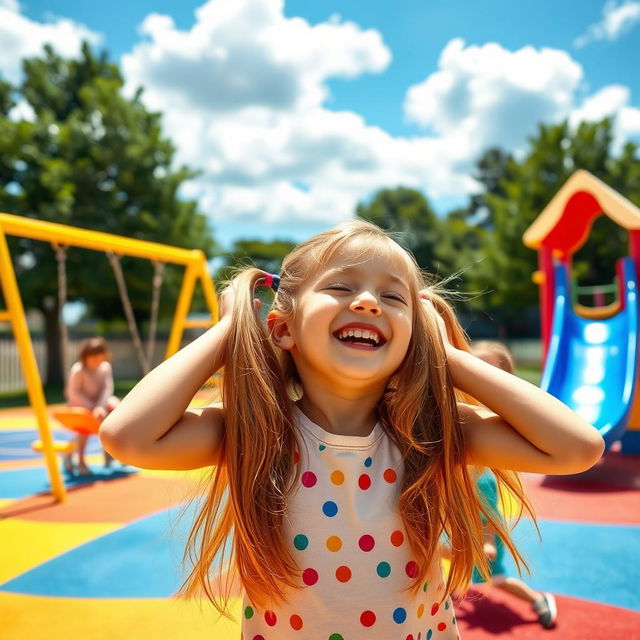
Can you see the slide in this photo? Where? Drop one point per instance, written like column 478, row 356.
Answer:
column 591, row 364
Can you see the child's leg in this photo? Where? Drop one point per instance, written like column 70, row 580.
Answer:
column 544, row 604
column 516, row 588
column 81, row 445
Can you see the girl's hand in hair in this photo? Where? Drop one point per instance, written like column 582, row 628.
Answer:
column 431, row 310
column 227, row 300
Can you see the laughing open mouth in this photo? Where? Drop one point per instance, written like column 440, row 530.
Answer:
column 361, row 335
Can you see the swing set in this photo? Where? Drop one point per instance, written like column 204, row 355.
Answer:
column 61, row 238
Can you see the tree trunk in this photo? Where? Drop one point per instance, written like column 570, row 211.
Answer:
column 55, row 374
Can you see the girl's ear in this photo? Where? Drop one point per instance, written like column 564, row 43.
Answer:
column 279, row 330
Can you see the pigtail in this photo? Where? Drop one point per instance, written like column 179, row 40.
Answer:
column 439, row 486
column 248, row 487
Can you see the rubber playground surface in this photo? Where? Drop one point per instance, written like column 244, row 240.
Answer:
column 106, row 563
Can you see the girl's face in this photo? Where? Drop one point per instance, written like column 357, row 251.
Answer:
column 353, row 323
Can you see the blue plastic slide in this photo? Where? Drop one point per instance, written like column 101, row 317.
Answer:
column 591, row 364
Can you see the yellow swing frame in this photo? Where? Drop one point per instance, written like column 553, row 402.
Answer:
column 195, row 264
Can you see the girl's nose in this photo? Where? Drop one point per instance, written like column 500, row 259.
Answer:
column 366, row 303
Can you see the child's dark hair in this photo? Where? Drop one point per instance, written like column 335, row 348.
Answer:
column 92, row 347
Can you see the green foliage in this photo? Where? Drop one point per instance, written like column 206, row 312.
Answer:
column 407, row 213
column 267, row 256
column 95, row 159
column 526, row 187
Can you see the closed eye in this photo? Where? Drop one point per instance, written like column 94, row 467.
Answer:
column 338, row 287
column 394, row 296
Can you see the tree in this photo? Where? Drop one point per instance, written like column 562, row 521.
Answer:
column 267, row 256
column 90, row 158
column 407, row 213
column 523, row 191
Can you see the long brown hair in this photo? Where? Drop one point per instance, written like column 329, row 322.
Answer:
column 239, row 523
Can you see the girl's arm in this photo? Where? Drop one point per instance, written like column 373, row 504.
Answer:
column 521, row 427
column 152, row 427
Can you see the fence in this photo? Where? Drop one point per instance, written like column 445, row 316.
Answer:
column 124, row 360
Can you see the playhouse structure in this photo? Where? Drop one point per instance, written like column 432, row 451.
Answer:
column 590, row 353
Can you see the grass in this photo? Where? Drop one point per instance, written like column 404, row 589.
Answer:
column 531, row 374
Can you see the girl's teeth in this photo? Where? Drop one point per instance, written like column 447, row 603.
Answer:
column 357, row 333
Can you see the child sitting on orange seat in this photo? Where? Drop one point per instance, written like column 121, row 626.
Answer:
column 90, row 385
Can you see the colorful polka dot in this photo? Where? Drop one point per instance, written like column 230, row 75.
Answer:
column 329, row 508
column 409, row 637
column 412, row 569
column 434, row 608
column 364, row 481
column 399, row 615
column 367, row 618
column 442, row 626
column 248, row 613
column 301, row 542
column 296, row 622
column 390, row 475
column 335, row 636
column 258, row 637
column 366, row 542
column 270, row 618
column 337, row 477
column 308, row 479
column 420, row 611
column 296, row 457
column 343, row 573
column 368, row 462
column 334, row 543
column 428, row 635
column 424, row 586
column 397, row 538
column 383, row 569
column 309, row 577
column 322, row 447
column 447, row 604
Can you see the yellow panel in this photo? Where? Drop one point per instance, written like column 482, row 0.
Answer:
column 27, row 543
column 25, row 617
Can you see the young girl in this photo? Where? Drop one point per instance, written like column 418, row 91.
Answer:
column 90, row 385
column 340, row 450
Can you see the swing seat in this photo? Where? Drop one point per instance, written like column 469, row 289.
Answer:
column 59, row 446
column 77, row 419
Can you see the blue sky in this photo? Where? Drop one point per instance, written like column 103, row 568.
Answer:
column 294, row 112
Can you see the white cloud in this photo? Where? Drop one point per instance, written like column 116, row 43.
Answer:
column 487, row 95
column 21, row 37
column 613, row 100
column 242, row 94
column 617, row 20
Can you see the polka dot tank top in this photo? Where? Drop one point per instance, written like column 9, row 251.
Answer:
column 346, row 535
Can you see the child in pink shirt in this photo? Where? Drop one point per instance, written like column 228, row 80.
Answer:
column 90, row 386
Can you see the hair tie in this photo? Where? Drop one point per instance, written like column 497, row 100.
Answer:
column 271, row 280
